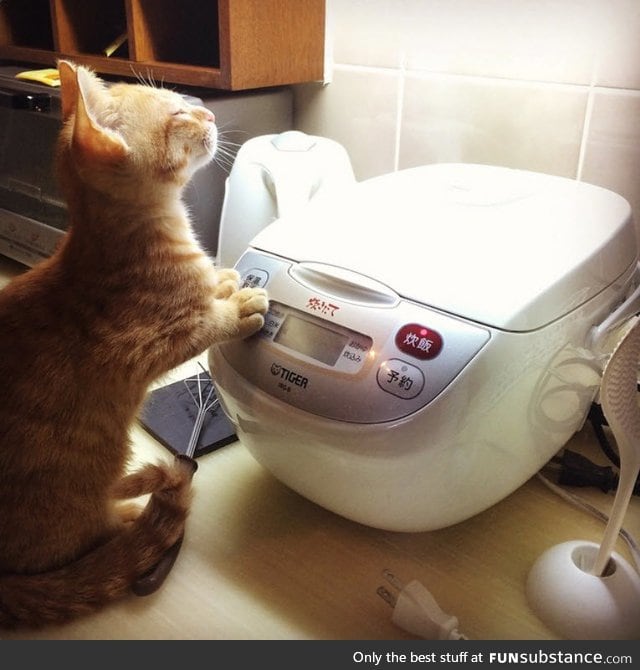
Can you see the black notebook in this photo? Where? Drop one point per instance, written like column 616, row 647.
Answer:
column 170, row 413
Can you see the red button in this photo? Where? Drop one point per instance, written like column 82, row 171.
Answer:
column 419, row 341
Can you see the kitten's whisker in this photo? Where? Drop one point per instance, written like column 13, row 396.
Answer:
column 225, row 154
column 227, row 151
column 224, row 164
column 224, row 128
column 229, row 146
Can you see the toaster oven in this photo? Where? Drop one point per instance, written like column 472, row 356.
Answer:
column 33, row 216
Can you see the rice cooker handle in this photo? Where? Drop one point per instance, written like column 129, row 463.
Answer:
column 630, row 307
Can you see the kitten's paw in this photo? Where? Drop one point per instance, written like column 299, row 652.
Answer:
column 228, row 283
column 128, row 511
column 227, row 273
column 253, row 304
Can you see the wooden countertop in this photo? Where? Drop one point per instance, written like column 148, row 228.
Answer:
column 261, row 562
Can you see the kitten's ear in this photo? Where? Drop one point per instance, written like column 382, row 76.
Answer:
column 93, row 141
column 68, row 88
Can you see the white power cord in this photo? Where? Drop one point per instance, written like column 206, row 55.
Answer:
column 416, row 610
column 577, row 501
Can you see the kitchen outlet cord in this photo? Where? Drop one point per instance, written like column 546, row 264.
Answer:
column 598, row 421
column 574, row 469
column 416, row 610
column 577, row 501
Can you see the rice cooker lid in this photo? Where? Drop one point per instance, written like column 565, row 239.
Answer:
column 507, row 248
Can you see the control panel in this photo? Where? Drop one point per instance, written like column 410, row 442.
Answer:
column 348, row 350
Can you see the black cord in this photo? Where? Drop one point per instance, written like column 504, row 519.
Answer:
column 577, row 470
column 598, row 421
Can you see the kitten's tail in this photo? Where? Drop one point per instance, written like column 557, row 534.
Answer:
column 111, row 570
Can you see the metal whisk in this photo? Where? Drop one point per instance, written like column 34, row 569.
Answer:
column 200, row 388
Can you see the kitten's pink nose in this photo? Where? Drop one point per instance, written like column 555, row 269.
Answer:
column 209, row 115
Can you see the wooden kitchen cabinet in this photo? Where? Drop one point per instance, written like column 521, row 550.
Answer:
column 224, row 44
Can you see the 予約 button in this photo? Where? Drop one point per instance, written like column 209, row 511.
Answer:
column 400, row 378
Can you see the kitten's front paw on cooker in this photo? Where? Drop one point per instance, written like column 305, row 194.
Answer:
column 228, row 282
column 252, row 306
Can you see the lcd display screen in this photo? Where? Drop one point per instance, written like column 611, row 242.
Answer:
column 308, row 338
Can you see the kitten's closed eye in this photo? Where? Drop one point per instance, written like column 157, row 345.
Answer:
column 201, row 113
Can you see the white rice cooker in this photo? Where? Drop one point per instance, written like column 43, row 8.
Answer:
column 434, row 337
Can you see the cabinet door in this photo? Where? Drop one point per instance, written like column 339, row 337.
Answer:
column 231, row 44
column 281, row 41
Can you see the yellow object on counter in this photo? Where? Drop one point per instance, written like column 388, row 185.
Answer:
column 48, row 76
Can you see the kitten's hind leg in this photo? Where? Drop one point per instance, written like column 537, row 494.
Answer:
column 174, row 493
column 170, row 489
column 153, row 478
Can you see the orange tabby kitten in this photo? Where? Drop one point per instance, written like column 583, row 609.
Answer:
column 127, row 296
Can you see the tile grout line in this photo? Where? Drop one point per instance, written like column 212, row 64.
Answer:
column 399, row 112
column 588, row 113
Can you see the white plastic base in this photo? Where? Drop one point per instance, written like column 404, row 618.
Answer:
column 580, row 606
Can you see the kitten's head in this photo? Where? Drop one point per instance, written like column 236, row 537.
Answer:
column 131, row 137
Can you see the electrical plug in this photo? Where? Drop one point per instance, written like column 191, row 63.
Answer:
column 577, row 470
column 416, row 610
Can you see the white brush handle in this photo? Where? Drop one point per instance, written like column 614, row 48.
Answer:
column 628, row 475
column 620, row 407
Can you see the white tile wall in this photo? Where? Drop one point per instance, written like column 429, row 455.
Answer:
column 619, row 55
column 548, row 85
column 612, row 150
column 359, row 109
column 491, row 121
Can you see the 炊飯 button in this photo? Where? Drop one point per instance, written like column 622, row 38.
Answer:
column 419, row 341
